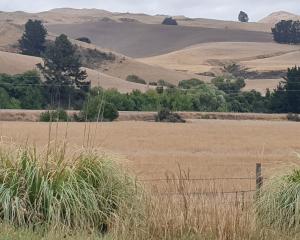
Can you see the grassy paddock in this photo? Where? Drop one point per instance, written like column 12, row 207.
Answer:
column 158, row 215
column 56, row 193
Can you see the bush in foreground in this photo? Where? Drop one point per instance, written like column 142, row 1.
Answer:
column 51, row 191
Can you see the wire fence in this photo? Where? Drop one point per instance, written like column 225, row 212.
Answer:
column 241, row 193
column 195, row 179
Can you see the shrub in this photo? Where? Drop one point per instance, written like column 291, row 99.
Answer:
column 191, row 83
column 165, row 115
column 59, row 115
column 51, row 191
column 293, row 117
column 169, row 21
column 96, row 109
column 229, row 84
column 24, row 89
column 164, row 83
column 93, row 58
column 84, row 39
column 135, row 79
column 277, row 205
column 153, row 83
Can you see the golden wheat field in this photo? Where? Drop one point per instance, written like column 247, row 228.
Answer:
column 204, row 148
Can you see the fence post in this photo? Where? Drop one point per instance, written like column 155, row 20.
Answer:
column 259, row 178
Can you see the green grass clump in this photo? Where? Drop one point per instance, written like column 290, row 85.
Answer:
column 278, row 203
column 51, row 191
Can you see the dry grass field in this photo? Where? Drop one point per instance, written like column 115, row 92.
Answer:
column 208, row 148
column 145, row 40
column 212, row 56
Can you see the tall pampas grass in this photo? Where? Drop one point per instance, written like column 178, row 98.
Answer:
column 49, row 189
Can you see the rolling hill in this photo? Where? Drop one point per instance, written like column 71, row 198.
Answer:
column 12, row 63
column 145, row 40
column 197, row 48
column 275, row 17
column 211, row 57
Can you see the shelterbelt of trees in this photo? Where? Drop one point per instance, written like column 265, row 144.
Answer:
column 61, row 83
column 224, row 94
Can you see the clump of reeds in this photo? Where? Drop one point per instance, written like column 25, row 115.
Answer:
column 278, row 203
column 84, row 191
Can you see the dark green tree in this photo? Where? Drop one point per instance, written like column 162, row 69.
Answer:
column 25, row 88
column 229, row 84
column 287, row 32
column 292, row 86
column 190, row 83
column 286, row 98
column 97, row 109
column 243, row 17
column 278, row 99
column 65, row 83
column 33, row 40
column 169, row 21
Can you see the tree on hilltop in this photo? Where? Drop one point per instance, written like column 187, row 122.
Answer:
column 33, row 40
column 169, row 21
column 62, row 69
column 243, row 17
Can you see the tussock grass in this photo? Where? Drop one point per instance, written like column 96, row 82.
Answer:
column 49, row 190
column 278, row 203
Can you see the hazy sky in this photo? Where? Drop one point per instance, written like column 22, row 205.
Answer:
column 218, row 9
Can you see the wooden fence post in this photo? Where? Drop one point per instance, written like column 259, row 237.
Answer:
column 259, row 178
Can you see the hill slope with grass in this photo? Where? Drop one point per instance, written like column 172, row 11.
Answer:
column 145, row 40
column 197, row 48
column 12, row 63
column 275, row 17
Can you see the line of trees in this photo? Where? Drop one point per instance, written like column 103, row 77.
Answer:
column 223, row 95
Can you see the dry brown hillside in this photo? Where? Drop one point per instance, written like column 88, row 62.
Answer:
column 12, row 63
column 191, row 50
column 145, row 40
column 70, row 15
column 275, row 17
column 210, row 57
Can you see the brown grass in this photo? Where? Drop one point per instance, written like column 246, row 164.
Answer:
column 209, row 148
column 203, row 149
column 145, row 40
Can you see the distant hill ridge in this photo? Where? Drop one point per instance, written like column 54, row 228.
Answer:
column 275, row 17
